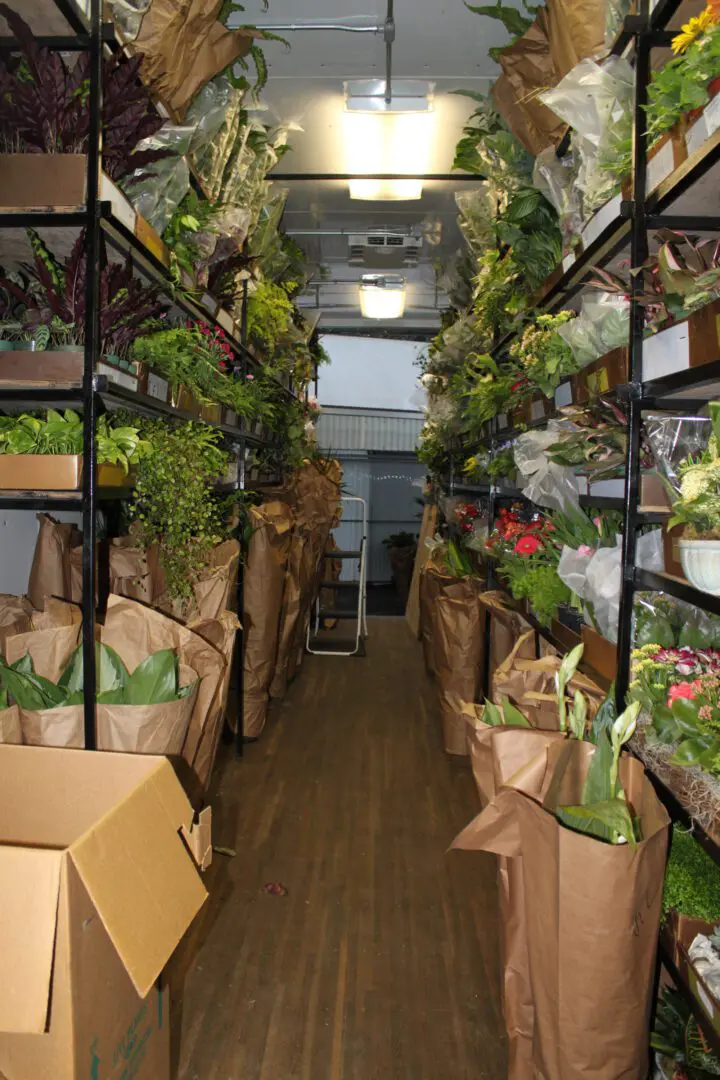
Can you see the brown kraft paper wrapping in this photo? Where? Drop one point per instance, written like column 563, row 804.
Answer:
column 291, row 610
column 506, row 626
column 528, row 68
column 495, row 758
column 50, row 649
column 213, row 592
column 576, row 30
column 136, row 631
column 220, row 633
column 458, row 648
column 264, row 585
column 433, row 579
column 50, row 571
column 183, row 47
column 428, row 528
column 592, row 914
column 147, row 729
column 530, row 685
column 129, row 570
column 10, row 729
column 15, row 617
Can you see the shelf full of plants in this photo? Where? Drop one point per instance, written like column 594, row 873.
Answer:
column 572, row 445
column 152, row 359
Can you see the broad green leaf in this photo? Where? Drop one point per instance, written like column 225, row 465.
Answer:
column 690, row 751
column 111, row 671
column 72, row 677
column 24, row 664
column 31, row 692
column 3, row 699
column 598, row 783
column 493, row 715
column 665, row 725
column 612, row 815
column 578, row 715
column 686, row 713
column 113, row 697
column 154, row 681
column 512, row 716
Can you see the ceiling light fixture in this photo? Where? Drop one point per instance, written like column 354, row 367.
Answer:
column 382, row 296
column 388, row 138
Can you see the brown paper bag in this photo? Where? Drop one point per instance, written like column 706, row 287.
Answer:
column 10, row 728
column 62, row 727
column 264, row 585
column 147, row 729
column 129, row 570
column 576, row 30
column 428, row 528
column 213, row 592
column 291, row 610
column 221, row 634
column 592, row 911
column 184, row 46
column 50, row 649
column 433, row 579
column 50, row 571
column 56, row 613
column 458, row 636
column 496, row 757
column 136, row 631
column 506, row 626
column 528, row 68
column 530, row 685
column 15, row 617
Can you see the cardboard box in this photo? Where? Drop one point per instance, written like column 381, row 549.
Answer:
column 42, row 181
column 600, row 654
column 53, row 472
column 97, row 887
column 23, row 367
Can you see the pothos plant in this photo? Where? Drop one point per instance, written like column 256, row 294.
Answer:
column 62, row 433
column 175, row 504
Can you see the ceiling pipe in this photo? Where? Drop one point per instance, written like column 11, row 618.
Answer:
column 287, row 27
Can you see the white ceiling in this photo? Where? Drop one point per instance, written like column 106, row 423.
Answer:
column 438, row 41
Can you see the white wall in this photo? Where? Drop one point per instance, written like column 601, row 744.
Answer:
column 371, row 373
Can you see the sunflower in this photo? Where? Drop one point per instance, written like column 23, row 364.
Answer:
column 694, row 29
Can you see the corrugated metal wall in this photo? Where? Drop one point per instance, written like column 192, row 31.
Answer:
column 385, row 430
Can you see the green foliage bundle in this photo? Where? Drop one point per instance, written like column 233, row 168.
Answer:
column 155, row 681
column 682, row 84
column 692, row 880
column 62, row 433
column 677, row 1036
column 270, row 314
column 175, row 504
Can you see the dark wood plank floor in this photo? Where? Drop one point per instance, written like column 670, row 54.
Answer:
column 381, row 962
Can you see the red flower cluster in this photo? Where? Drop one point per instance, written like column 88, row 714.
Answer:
column 524, row 537
column 215, row 341
column 465, row 515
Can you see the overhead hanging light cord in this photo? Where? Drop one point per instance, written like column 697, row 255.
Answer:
column 389, row 39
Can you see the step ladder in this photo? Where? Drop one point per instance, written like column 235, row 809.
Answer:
column 354, row 643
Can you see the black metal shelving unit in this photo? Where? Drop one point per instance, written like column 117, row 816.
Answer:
column 685, row 392
column 95, row 393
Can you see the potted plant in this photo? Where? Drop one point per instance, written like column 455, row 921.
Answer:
column 401, row 549
column 44, row 109
column 40, row 454
column 697, row 509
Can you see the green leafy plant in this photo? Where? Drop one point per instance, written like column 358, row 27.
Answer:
column 692, row 879
column 512, row 19
column 676, row 1035
column 501, row 464
column 543, row 355
column 604, row 811
column 400, row 540
column 155, row 681
column 174, row 502
column 698, row 505
column 681, row 85
column 63, row 434
column 270, row 314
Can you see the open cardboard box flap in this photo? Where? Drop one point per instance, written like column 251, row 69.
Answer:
column 29, row 888
column 121, row 819
column 141, row 878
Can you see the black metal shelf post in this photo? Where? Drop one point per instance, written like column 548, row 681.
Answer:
column 240, row 598
column 92, row 349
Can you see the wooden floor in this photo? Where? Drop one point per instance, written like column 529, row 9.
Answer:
column 381, row 962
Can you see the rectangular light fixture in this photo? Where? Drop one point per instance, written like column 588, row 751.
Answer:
column 392, row 139
column 382, row 296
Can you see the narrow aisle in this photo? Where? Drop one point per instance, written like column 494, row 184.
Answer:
column 381, row 962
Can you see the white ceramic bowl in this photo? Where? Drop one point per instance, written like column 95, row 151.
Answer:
column 701, row 562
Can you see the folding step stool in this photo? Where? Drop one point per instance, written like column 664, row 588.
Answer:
column 354, row 644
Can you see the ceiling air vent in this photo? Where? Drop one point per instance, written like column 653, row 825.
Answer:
column 385, row 249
